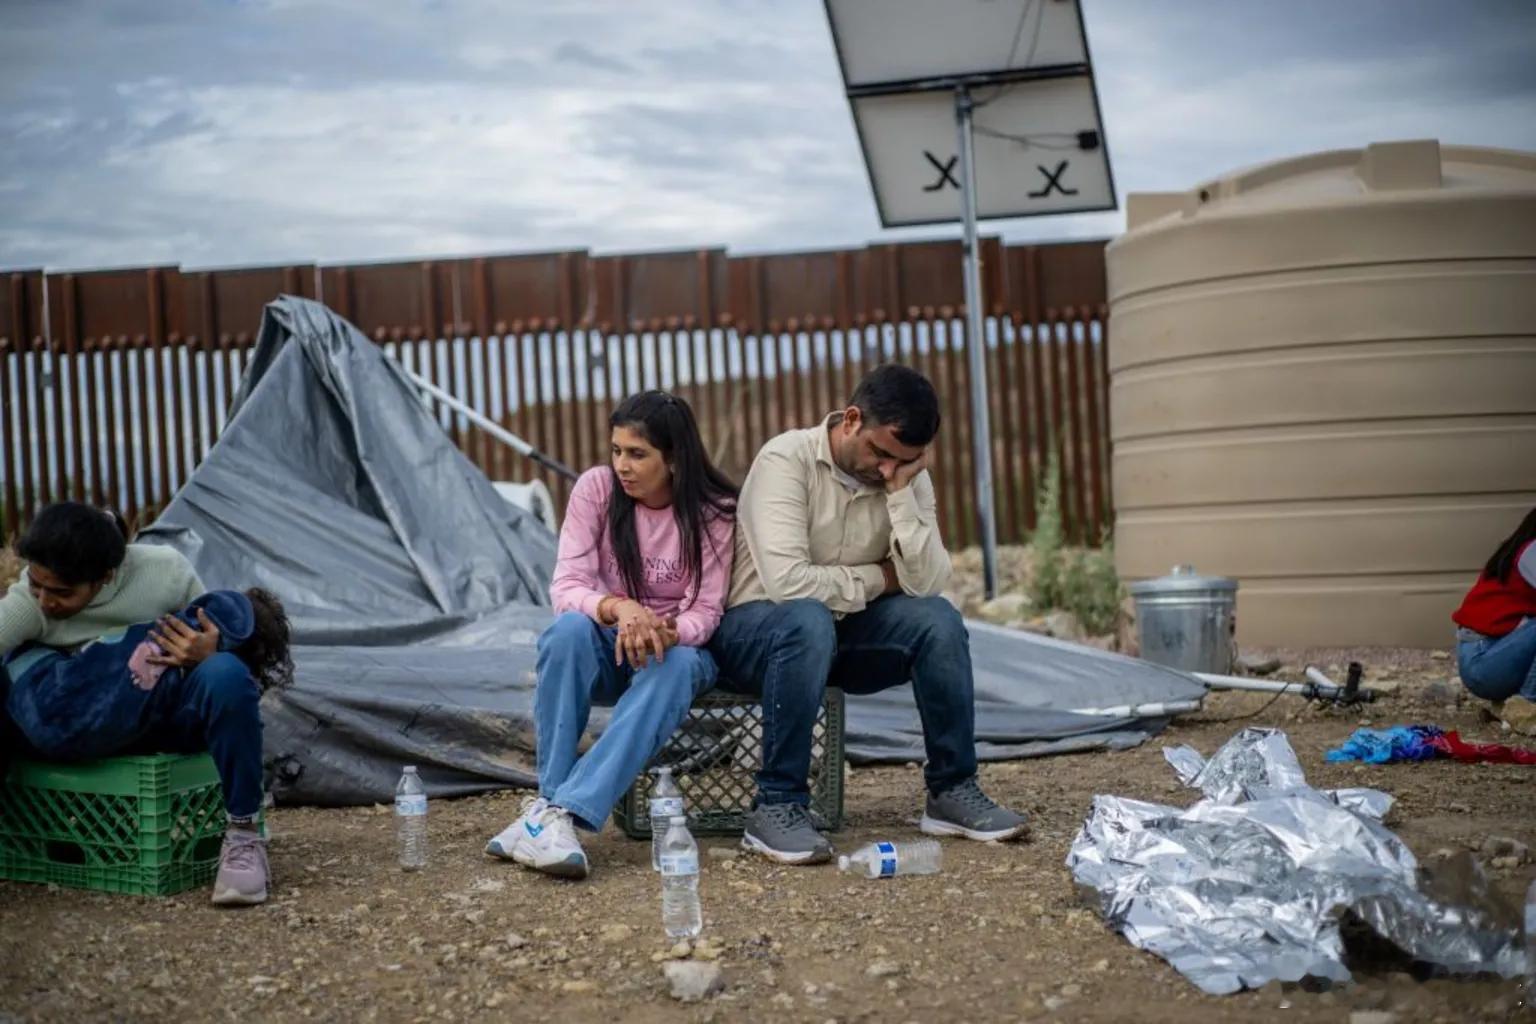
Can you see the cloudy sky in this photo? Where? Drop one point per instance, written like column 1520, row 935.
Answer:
column 219, row 133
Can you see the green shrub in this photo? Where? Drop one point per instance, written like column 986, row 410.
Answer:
column 1091, row 589
column 1046, row 542
column 1078, row 580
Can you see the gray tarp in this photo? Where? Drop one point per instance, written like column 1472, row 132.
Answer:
column 416, row 593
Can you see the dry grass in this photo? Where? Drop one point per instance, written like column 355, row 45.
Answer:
column 10, row 567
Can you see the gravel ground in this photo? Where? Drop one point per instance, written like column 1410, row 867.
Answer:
column 1000, row 934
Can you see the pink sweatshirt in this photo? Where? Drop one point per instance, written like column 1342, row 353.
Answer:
column 586, row 571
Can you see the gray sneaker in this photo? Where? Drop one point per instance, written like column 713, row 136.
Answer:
column 242, row 878
column 964, row 810
column 784, row 832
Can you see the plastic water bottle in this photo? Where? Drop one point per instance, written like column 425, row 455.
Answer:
column 666, row 804
column 883, row 860
column 411, row 820
column 1530, row 944
column 681, row 915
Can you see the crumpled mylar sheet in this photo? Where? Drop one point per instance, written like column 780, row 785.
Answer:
column 1252, row 882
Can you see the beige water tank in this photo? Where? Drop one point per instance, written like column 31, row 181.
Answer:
column 1323, row 383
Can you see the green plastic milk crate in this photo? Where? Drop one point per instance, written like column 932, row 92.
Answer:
column 716, row 752
column 146, row 825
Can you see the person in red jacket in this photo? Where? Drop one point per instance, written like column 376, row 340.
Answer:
column 1496, row 623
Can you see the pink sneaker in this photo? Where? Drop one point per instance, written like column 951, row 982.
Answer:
column 242, row 878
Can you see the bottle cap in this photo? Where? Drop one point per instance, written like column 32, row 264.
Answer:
column 678, row 819
column 410, row 769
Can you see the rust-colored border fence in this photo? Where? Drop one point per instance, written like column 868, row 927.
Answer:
column 116, row 383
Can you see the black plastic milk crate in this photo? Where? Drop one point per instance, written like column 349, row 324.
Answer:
column 715, row 754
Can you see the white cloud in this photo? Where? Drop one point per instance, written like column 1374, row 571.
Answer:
column 354, row 130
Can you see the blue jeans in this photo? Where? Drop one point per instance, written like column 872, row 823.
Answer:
column 787, row 654
column 1500, row 667
column 576, row 670
column 216, row 707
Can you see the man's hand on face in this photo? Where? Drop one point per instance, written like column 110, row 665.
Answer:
column 907, row 472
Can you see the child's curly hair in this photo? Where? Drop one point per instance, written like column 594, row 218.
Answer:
column 266, row 652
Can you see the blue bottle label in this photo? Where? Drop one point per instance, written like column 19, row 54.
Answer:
column 887, row 853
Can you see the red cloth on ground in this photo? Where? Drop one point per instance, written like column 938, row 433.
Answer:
column 1452, row 745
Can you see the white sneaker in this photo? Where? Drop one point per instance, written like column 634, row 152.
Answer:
column 547, row 842
column 501, row 843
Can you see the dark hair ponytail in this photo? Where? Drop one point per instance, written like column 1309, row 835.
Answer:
column 701, row 493
column 1503, row 561
column 119, row 522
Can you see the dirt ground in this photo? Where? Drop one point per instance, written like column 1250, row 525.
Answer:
column 1000, row 934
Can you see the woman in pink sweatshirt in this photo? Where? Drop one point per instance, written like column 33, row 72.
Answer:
column 640, row 584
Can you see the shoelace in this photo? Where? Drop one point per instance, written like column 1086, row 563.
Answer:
column 242, row 851
column 970, row 795
column 789, row 816
column 559, row 819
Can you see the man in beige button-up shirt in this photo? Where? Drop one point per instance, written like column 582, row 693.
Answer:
column 839, row 566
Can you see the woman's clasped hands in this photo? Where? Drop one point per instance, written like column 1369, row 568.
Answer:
column 642, row 634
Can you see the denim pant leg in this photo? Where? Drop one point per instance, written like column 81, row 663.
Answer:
column 921, row 639
column 575, row 669
column 1500, row 668
column 215, row 707
column 12, row 742
column 644, row 718
column 780, row 653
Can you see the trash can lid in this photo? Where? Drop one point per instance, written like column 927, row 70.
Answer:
column 1182, row 578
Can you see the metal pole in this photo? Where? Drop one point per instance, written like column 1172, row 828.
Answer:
column 1220, row 682
column 490, row 426
column 1318, row 686
column 976, row 347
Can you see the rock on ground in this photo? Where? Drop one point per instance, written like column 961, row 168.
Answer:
column 692, row 981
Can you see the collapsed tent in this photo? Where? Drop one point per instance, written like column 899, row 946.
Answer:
column 417, row 593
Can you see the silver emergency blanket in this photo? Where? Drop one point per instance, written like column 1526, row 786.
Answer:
column 1261, row 879
column 417, row 594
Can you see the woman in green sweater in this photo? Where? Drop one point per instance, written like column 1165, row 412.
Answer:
column 82, row 582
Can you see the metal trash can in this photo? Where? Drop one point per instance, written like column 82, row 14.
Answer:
column 1187, row 621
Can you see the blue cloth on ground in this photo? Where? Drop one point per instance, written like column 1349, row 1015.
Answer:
column 1384, row 746
column 87, row 705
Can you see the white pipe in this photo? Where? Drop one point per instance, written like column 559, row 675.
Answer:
column 1325, row 687
column 490, row 426
column 1156, row 709
column 1220, row 682
column 1315, row 674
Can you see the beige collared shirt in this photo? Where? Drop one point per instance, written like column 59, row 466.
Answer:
column 801, row 534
